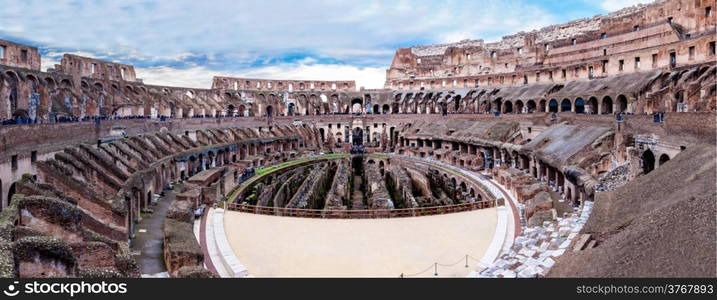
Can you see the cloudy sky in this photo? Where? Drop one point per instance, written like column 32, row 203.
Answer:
column 186, row 42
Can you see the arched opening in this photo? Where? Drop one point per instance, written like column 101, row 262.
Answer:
column 457, row 103
column 592, row 105
column 357, row 136
column 531, row 106
column 579, row 106
column 622, row 103
column 606, row 105
column 375, row 109
column 385, row 109
column 553, row 105
column 679, row 102
column 507, row 107
column 498, row 104
column 648, row 161
column 565, row 105
column 519, row 107
column 10, row 193
column 291, row 109
column 395, row 108
column 356, row 105
column 269, row 111
column 541, row 105
column 663, row 159
column 321, row 132
column 242, row 110
column 230, row 110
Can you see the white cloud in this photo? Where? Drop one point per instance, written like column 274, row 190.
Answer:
column 613, row 5
column 201, row 77
column 338, row 40
column 340, row 29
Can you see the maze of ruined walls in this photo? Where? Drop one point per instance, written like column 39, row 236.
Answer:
column 104, row 188
column 339, row 194
column 403, row 185
column 377, row 195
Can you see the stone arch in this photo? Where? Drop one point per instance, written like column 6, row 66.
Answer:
column 607, row 105
column 621, row 104
column 579, row 106
column 565, row 105
column 553, row 105
column 456, row 102
column 648, row 161
column 531, row 106
column 542, row 105
column 663, row 159
column 519, row 107
column 356, row 105
column 507, row 107
column 592, row 105
column 679, row 103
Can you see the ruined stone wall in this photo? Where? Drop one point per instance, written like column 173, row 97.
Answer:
column 18, row 55
column 578, row 49
column 78, row 66
column 254, row 84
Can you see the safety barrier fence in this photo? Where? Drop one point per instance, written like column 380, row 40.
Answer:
column 360, row 214
column 436, row 265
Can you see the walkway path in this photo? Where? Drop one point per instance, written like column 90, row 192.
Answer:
column 357, row 194
column 147, row 247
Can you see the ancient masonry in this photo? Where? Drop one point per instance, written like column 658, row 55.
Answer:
column 568, row 128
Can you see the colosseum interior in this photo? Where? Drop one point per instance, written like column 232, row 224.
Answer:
column 583, row 149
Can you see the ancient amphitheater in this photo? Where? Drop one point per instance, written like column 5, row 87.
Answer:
column 584, row 149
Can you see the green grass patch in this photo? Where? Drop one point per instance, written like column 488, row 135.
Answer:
column 261, row 172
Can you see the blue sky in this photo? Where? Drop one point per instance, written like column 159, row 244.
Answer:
column 185, row 43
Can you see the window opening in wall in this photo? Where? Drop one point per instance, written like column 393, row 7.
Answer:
column 708, row 11
column 636, row 28
column 691, row 52
column 23, row 55
column 637, row 63
column 2, row 52
column 33, row 156
column 712, row 48
column 673, row 59
column 603, row 35
column 654, row 60
column 13, row 162
column 93, row 68
column 621, row 65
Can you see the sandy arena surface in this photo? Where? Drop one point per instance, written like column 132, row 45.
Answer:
column 272, row 246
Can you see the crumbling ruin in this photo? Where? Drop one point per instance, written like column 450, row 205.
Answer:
column 600, row 129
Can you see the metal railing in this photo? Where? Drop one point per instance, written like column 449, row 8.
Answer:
column 360, row 214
